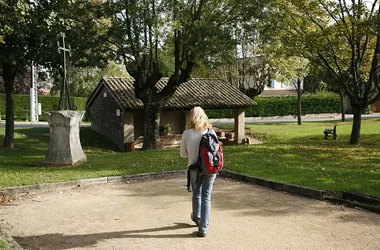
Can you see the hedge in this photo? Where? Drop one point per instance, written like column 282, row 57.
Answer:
column 285, row 105
column 266, row 106
column 22, row 105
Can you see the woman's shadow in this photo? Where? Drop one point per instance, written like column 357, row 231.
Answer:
column 59, row 241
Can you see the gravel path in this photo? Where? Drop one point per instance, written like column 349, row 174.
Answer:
column 155, row 214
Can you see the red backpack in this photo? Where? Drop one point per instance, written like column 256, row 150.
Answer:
column 210, row 157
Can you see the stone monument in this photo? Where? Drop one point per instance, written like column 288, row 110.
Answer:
column 65, row 147
column 64, row 123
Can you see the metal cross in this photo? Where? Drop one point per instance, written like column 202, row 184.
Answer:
column 64, row 97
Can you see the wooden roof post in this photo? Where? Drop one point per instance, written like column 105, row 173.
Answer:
column 239, row 125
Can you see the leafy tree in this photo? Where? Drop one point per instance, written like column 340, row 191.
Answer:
column 29, row 29
column 19, row 32
column 334, row 86
column 274, row 58
column 22, row 83
column 320, row 80
column 83, row 80
column 252, row 75
column 195, row 30
column 251, row 68
column 88, row 59
column 344, row 36
column 294, row 69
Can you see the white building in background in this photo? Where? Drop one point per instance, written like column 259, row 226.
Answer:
column 278, row 88
column 274, row 84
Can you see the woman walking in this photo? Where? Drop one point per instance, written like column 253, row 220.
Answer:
column 201, row 183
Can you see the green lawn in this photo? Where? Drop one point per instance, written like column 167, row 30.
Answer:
column 290, row 153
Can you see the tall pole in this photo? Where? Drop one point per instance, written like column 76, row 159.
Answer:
column 64, row 68
column 64, row 99
column 33, row 97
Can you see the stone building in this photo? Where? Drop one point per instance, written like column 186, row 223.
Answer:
column 116, row 113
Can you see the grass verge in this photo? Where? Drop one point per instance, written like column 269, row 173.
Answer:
column 3, row 245
column 290, row 153
column 23, row 164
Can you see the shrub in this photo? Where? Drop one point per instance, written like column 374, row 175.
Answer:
column 285, row 105
column 266, row 106
column 22, row 105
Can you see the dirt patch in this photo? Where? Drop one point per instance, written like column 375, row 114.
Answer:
column 156, row 215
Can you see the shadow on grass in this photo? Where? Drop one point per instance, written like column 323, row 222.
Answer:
column 33, row 143
column 312, row 161
column 92, row 140
column 29, row 141
column 30, row 147
column 59, row 241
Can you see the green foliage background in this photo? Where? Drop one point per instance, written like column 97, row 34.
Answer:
column 22, row 105
column 285, row 105
column 266, row 106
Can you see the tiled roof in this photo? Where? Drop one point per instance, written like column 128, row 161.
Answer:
column 207, row 93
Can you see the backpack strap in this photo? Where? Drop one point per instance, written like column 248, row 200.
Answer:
column 188, row 180
column 199, row 148
column 208, row 146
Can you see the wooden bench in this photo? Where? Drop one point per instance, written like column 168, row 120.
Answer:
column 328, row 131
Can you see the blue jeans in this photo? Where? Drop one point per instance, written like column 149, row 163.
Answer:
column 202, row 189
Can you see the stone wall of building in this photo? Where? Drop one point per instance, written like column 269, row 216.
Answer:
column 107, row 117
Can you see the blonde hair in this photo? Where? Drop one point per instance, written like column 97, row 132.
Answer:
column 198, row 119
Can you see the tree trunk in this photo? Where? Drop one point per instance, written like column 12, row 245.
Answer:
column 152, row 115
column 9, row 106
column 299, row 102
column 342, row 108
column 356, row 125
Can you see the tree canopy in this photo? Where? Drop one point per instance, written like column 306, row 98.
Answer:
column 180, row 38
column 343, row 37
column 191, row 31
column 29, row 34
